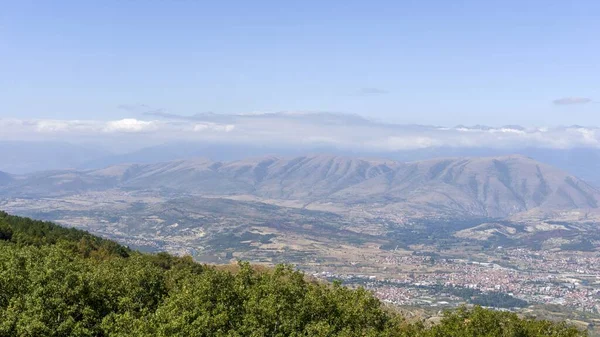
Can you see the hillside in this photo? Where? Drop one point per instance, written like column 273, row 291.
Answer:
column 484, row 187
column 66, row 282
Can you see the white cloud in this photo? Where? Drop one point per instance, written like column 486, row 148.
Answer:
column 213, row 127
column 130, row 125
column 60, row 126
column 336, row 130
column 52, row 126
column 409, row 142
column 507, row 130
column 589, row 136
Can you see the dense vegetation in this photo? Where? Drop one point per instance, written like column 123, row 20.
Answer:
column 65, row 282
column 475, row 296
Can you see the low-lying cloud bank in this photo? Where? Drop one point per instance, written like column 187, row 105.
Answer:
column 296, row 128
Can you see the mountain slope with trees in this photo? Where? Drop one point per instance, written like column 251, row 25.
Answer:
column 56, row 281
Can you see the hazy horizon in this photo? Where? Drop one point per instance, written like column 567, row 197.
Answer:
column 89, row 83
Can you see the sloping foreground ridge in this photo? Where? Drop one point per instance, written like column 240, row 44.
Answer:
column 56, row 281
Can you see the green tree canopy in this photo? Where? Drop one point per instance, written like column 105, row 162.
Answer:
column 56, row 281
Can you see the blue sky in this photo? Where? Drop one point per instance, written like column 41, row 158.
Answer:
column 428, row 62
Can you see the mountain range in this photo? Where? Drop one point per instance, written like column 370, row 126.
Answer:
column 495, row 187
column 29, row 157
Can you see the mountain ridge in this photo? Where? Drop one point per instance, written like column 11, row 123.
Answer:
column 485, row 186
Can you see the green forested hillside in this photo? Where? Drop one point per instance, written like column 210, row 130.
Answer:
column 65, row 282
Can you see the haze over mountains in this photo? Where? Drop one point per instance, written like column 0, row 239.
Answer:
column 31, row 156
column 482, row 186
column 5, row 178
column 35, row 145
column 582, row 162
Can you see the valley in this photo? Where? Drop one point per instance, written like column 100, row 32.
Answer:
column 506, row 232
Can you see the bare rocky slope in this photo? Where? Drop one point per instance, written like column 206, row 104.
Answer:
column 486, row 186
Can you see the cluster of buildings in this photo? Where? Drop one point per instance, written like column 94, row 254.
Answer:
column 539, row 277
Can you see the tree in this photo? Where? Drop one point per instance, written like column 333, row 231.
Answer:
column 62, row 282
